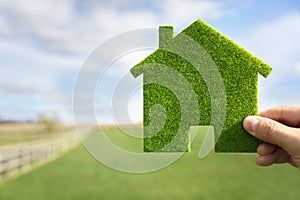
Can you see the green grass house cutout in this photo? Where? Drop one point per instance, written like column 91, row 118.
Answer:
column 166, row 121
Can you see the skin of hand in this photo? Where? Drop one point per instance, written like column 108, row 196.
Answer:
column 279, row 130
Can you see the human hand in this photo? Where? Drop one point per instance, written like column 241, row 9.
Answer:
column 279, row 130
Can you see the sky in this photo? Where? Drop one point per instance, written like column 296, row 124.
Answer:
column 43, row 44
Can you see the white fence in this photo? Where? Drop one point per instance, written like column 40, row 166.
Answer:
column 15, row 157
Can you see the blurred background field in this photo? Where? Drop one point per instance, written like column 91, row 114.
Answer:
column 77, row 175
column 16, row 133
column 26, row 145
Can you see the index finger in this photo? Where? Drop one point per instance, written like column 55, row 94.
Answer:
column 288, row 115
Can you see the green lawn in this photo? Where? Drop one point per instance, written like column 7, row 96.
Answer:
column 77, row 175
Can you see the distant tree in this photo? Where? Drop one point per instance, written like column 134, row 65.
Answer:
column 50, row 120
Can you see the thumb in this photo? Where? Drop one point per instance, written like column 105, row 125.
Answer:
column 271, row 131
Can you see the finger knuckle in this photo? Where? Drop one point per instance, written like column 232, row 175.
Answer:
column 271, row 129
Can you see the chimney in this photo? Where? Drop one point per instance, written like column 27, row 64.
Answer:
column 165, row 35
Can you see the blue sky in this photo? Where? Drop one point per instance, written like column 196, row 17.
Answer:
column 43, row 44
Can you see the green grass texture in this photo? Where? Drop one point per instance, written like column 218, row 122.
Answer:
column 238, row 70
column 78, row 176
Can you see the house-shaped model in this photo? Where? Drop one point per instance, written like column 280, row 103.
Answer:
column 237, row 69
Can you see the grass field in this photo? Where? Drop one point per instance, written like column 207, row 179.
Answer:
column 77, row 175
column 11, row 134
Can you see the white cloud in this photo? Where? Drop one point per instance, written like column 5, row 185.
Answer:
column 297, row 67
column 277, row 43
column 32, row 70
column 62, row 26
column 37, row 17
column 135, row 106
column 33, row 81
column 182, row 12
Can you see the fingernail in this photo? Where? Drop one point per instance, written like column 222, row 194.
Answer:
column 250, row 123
